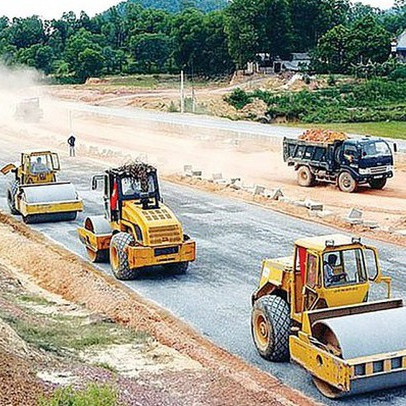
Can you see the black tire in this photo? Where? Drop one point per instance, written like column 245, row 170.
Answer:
column 346, row 182
column 378, row 183
column 177, row 268
column 270, row 328
column 99, row 257
column 305, row 178
column 119, row 257
column 11, row 195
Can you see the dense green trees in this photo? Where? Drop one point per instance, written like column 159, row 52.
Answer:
column 342, row 47
column 204, row 36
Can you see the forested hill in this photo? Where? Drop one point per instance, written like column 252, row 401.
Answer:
column 175, row 6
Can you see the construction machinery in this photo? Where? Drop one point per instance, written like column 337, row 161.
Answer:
column 313, row 308
column 29, row 110
column 348, row 163
column 35, row 192
column 137, row 230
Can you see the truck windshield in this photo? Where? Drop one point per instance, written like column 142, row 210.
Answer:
column 375, row 148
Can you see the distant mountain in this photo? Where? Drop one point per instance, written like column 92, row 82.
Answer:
column 175, row 6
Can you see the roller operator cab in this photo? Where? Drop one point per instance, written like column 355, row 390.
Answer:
column 348, row 164
column 313, row 308
column 36, row 194
column 137, row 230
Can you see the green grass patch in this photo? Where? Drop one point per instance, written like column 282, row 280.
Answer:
column 367, row 101
column 92, row 395
column 393, row 129
column 61, row 333
column 38, row 300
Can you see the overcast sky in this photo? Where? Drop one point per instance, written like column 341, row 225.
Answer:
column 54, row 8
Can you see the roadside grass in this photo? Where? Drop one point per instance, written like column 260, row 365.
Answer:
column 60, row 333
column 161, row 81
column 92, row 395
column 391, row 129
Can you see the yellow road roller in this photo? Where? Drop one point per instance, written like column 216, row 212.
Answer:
column 35, row 192
column 313, row 308
column 137, row 230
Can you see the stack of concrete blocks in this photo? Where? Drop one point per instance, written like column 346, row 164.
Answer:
column 219, row 180
column 191, row 173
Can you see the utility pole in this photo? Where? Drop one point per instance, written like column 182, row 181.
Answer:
column 193, row 92
column 182, row 92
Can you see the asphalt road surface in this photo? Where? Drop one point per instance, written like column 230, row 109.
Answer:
column 214, row 296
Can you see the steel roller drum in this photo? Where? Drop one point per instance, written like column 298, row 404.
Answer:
column 50, row 193
column 363, row 335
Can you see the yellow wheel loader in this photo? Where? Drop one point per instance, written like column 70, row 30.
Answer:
column 313, row 308
column 35, row 192
column 137, row 229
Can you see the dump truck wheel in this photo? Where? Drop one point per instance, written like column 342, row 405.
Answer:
column 270, row 327
column 119, row 256
column 178, row 268
column 11, row 193
column 377, row 183
column 347, row 183
column 305, row 178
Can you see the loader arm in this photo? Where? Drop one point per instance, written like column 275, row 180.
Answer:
column 7, row 169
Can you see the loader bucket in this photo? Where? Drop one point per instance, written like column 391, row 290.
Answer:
column 373, row 347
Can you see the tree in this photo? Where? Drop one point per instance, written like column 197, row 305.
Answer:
column 25, row 32
column 243, row 19
column 341, row 47
column 90, row 63
column 151, row 52
column 37, row 56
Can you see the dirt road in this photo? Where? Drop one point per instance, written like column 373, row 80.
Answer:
column 212, row 146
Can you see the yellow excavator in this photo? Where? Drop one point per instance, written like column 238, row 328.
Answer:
column 35, row 192
column 313, row 308
column 137, row 230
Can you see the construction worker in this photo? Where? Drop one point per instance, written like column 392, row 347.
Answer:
column 39, row 167
column 71, row 143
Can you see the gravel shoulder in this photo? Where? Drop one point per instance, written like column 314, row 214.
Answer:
column 62, row 322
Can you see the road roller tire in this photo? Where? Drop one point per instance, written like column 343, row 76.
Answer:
column 270, row 328
column 378, row 183
column 346, row 182
column 326, row 389
column 119, row 257
column 305, row 178
column 11, row 194
column 98, row 257
column 178, row 268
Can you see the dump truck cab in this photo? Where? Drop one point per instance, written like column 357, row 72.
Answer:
column 309, row 306
column 35, row 192
column 137, row 230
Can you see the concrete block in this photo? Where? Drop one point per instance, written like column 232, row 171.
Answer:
column 275, row 194
column 187, row 170
column 218, row 178
column 400, row 232
column 236, row 183
column 197, row 174
column 355, row 214
column 371, row 224
column 321, row 213
column 313, row 206
column 259, row 190
column 285, row 199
